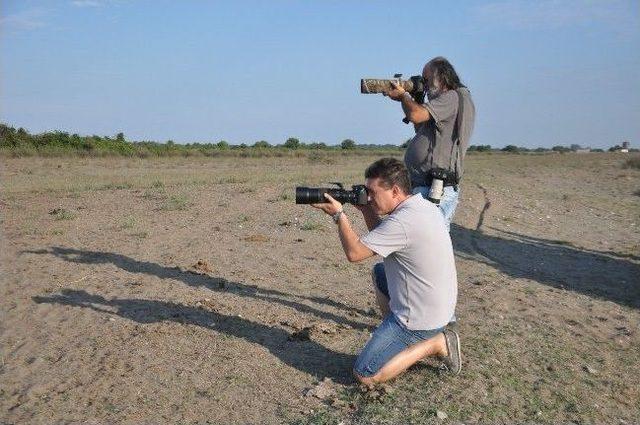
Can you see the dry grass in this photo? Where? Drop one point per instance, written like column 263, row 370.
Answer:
column 124, row 330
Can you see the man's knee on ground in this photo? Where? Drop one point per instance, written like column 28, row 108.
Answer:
column 369, row 381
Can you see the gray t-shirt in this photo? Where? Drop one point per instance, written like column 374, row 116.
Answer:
column 418, row 262
column 433, row 145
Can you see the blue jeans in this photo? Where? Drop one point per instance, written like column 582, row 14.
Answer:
column 448, row 203
column 390, row 337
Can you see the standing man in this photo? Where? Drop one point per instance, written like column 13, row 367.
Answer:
column 417, row 293
column 443, row 128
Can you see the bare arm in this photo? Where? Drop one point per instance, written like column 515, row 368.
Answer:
column 415, row 112
column 353, row 248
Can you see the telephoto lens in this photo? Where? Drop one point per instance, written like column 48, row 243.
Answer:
column 315, row 195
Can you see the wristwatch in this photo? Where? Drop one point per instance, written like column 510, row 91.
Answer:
column 336, row 216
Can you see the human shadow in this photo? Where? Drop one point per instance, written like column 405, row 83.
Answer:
column 306, row 356
column 603, row 275
column 213, row 283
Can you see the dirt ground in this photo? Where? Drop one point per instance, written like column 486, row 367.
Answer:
column 194, row 290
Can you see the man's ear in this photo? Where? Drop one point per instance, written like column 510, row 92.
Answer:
column 396, row 190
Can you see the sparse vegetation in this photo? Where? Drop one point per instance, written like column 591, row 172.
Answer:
column 175, row 203
column 140, row 294
column 309, row 225
column 62, row 214
column 128, row 223
column 19, row 143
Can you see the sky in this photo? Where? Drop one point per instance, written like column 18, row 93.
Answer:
column 541, row 73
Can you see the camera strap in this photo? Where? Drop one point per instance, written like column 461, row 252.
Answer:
column 457, row 130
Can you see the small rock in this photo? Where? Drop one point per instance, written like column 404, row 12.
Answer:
column 201, row 267
column 325, row 328
column 623, row 331
column 590, row 370
column 441, row 415
column 323, row 391
column 301, row 335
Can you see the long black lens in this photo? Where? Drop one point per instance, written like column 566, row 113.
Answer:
column 309, row 195
column 341, row 195
column 315, row 195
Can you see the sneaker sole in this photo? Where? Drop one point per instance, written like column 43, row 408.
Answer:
column 457, row 352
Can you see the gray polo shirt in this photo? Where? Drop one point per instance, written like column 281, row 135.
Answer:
column 433, row 145
column 418, row 262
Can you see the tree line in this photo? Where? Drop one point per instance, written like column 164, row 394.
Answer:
column 19, row 142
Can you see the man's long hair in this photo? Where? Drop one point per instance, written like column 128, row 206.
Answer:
column 444, row 73
column 391, row 172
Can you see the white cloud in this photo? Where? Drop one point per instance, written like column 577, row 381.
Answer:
column 552, row 14
column 26, row 20
column 86, row 3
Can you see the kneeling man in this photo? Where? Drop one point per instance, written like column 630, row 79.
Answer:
column 416, row 285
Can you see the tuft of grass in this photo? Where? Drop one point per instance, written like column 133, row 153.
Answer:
column 158, row 193
column 62, row 214
column 322, row 416
column 320, row 158
column 57, row 232
column 285, row 195
column 311, row 226
column 128, row 223
column 229, row 180
column 115, row 186
column 175, row 203
column 247, row 189
column 157, row 184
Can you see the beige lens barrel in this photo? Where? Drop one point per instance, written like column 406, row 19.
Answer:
column 376, row 85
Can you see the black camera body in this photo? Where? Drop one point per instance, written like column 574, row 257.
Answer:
column 315, row 195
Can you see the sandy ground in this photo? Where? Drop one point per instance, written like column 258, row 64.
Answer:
column 195, row 290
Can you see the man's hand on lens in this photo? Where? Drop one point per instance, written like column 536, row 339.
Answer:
column 396, row 93
column 330, row 207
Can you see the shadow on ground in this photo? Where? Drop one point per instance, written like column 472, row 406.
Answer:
column 213, row 283
column 306, row 356
column 605, row 275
